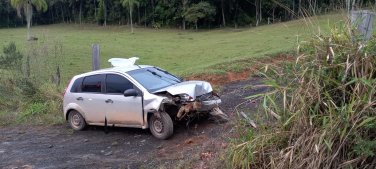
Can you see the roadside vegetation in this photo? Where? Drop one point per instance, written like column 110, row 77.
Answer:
column 29, row 85
column 324, row 103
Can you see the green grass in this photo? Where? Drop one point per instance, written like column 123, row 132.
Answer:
column 184, row 53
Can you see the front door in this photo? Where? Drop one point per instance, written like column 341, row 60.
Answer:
column 120, row 110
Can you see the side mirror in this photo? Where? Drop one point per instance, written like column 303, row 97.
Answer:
column 130, row 92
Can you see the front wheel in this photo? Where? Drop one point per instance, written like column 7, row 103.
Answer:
column 161, row 127
column 76, row 121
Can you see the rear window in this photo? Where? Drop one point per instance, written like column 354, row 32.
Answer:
column 92, row 83
column 76, row 85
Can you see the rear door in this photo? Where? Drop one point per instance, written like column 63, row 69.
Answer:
column 90, row 99
column 123, row 111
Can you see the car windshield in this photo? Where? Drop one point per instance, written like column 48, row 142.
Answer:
column 153, row 78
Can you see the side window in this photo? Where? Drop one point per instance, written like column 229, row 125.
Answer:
column 117, row 84
column 92, row 83
column 76, row 85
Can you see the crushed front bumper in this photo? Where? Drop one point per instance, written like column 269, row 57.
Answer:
column 209, row 105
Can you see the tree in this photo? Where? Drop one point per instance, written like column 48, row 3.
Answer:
column 138, row 14
column 131, row 4
column 223, row 14
column 40, row 5
column 198, row 11
column 12, row 59
column 185, row 4
column 80, row 15
column 103, row 4
column 144, row 3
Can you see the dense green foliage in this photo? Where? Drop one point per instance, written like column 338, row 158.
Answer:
column 170, row 13
column 199, row 11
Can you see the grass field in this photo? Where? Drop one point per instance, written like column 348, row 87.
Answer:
column 184, row 53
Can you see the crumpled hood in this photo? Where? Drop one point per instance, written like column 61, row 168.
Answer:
column 192, row 88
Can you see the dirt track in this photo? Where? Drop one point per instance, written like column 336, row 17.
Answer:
column 58, row 147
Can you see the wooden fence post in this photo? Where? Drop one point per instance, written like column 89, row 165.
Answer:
column 95, row 56
column 363, row 20
column 52, row 79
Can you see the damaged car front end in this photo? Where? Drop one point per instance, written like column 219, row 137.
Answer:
column 200, row 100
column 180, row 99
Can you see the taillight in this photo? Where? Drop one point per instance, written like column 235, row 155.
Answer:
column 67, row 87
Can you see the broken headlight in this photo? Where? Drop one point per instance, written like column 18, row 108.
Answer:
column 185, row 97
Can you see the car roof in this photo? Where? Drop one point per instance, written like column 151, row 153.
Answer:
column 115, row 69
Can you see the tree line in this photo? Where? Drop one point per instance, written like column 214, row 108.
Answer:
column 183, row 14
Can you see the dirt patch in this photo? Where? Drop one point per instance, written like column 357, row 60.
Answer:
column 216, row 80
column 222, row 79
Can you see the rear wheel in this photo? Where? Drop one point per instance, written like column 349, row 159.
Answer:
column 161, row 127
column 76, row 120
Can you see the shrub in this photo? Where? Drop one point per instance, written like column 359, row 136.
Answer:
column 12, row 59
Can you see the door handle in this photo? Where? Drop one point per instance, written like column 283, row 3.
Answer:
column 80, row 98
column 109, row 101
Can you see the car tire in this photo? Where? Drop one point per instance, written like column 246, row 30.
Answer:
column 161, row 127
column 76, row 120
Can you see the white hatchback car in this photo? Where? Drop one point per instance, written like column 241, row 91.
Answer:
column 136, row 96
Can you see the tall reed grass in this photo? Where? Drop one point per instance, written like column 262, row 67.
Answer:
column 327, row 107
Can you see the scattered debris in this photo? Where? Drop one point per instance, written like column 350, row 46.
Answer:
column 160, row 146
column 102, row 151
column 250, row 121
column 143, row 141
column 114, row 143
column 86, row 140
column 206, row 156
column 27, row 167
column 50, row 146
column 137, row 135
column 274, row 114
column 217, row 112
column 109, row 153
column 189, row 141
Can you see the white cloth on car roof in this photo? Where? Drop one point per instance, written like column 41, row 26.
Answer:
column 120, row 62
